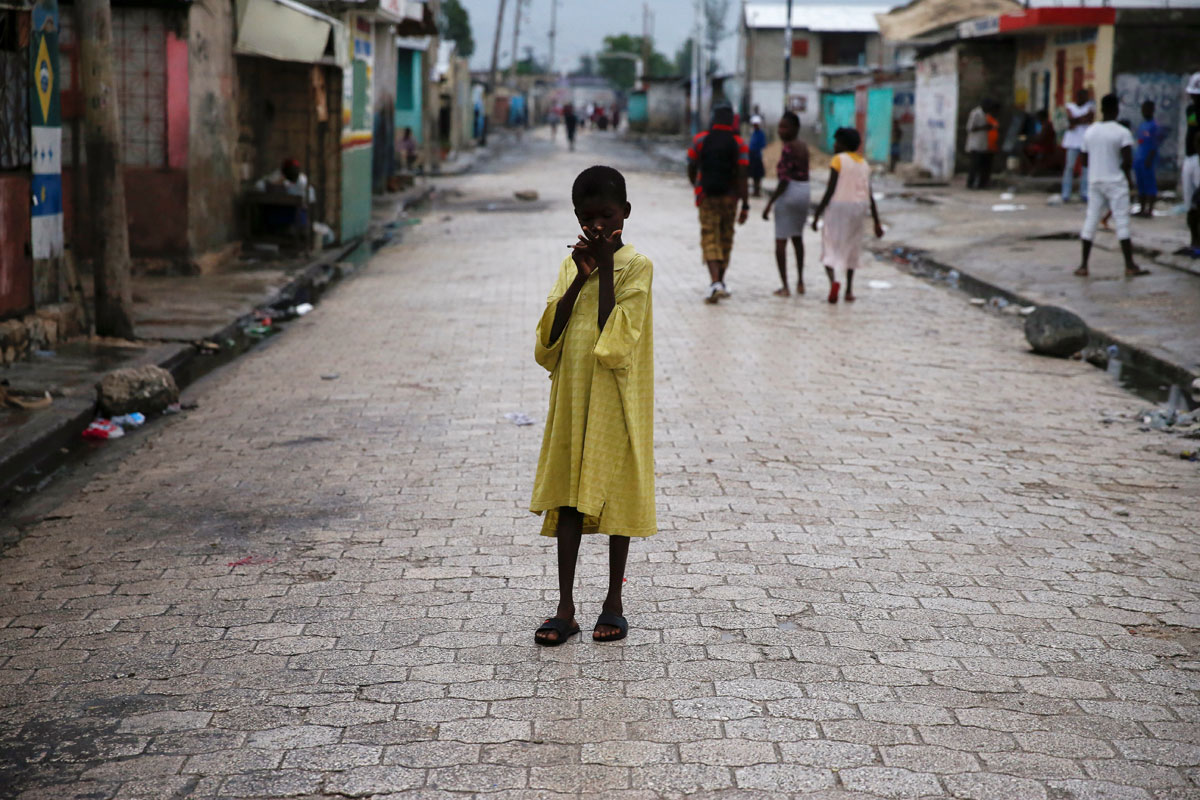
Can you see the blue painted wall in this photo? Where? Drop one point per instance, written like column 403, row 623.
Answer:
column 409, row 92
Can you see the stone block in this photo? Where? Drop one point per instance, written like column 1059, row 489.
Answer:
column 1054, row 331
column 148, row 389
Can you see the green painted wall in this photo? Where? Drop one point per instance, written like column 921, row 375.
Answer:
column 408, row 93
column 356, row 192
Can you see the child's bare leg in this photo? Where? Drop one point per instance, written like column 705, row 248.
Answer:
column 568, row 535
column 798, row 246
column 618, row 556
column 849, row 286
column 781, row 263
column 715, row 270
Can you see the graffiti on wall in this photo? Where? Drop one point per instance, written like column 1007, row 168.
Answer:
column 1165, row 90
column 935, row 114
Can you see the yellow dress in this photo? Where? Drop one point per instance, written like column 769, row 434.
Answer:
column 598, row 448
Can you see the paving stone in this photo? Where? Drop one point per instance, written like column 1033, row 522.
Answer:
column 986, row 786
column 890, row 782
column 628, row 754
column 727, row 752
column 272, row 783
column 773, row 776
column 365, row 781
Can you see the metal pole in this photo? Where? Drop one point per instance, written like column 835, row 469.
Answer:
column 512, row 68
column 645, row 38
column 696, row 69
column 553, row 33
column 787, row 59
column 489, row 97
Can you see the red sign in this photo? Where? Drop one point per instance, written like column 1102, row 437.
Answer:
column 800, row 47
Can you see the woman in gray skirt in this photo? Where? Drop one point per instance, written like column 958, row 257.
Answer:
column 790, row 200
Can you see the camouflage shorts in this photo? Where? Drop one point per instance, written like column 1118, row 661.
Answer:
column 717, row 215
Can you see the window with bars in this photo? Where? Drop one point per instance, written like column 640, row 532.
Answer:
column 14, row 89
column 140, row 63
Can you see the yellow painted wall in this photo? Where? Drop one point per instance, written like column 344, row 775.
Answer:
column 1088, row 50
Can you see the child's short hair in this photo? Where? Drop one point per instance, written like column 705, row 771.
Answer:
column 600, row 182
column 791, row 117
column 849, row 138
column 1109, row 104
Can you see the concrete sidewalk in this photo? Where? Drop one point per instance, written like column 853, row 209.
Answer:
column 173, row 315
column 1022, row 245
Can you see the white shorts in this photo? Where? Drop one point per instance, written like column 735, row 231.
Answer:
column 1113, row 195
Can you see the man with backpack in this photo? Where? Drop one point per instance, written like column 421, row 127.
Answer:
column 717, row 167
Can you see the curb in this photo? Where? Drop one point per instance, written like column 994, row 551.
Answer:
column 47, row 432
column 1132, row 355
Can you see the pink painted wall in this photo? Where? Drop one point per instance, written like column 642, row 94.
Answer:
column 177, row 102
column 16, row 270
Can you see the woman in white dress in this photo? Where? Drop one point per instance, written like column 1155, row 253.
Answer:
column 844, row 206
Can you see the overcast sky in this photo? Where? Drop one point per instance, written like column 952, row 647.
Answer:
column 583, row 24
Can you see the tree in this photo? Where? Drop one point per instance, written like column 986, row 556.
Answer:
column 683, row 59
column 587, row 66
column 622, row 70
column 454, row 24
column 716, row 12
column 529, row 65
column 105, row 178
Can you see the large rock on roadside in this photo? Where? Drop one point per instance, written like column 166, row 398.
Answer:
column 146, row 389
column 1054, row 331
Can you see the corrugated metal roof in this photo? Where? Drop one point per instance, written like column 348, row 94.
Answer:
column 828, row 18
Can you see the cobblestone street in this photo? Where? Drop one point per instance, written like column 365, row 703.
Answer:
column 899, row 556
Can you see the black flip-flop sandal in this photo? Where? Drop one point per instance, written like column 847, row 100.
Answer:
column 562, row 627
column 616, row 621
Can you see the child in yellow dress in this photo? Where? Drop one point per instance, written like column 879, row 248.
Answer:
column 596, row 469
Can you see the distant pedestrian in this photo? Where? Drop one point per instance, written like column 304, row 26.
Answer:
column 596, row 338
column 1145, row 160
column 1192, row 115
column 1107, row 153
column 717, row 165
column 408, row 150
column 570, row 122
column 897, row 139
column 553, row 118
column 845, row 204
column 983, row 136
column 758, row 143
column 1042, row 149
column 790, row 200
column 1189, row 179
column 1080, row 115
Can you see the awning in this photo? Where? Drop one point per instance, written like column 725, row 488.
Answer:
column 288, row 31
column 922, row 17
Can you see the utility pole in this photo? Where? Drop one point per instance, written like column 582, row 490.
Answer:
column 106, row 181
column 431, row 108
column 489, row 97
column 696, row 70
column 512, row 67
column 553, row 33
column 787, row 60
column 645, row 42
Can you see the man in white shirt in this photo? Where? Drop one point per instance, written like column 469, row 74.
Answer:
column 1107, row 154
column 1080, row 115
column 1189, row 179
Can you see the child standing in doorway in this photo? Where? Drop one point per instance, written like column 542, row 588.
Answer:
column 596, row 469
column 845, row 204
